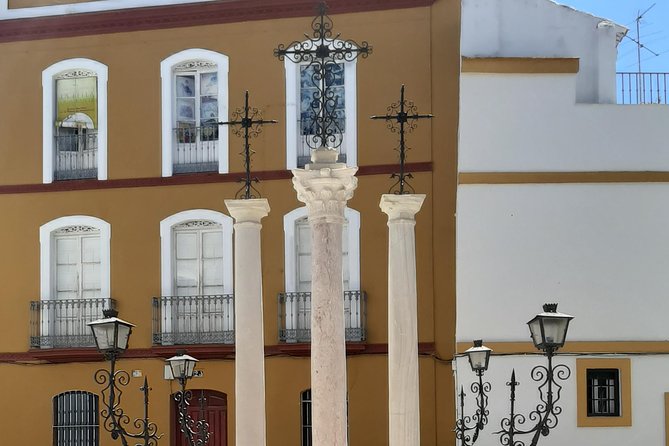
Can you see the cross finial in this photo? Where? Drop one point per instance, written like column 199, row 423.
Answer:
column 247, row 123
column 401, row 118
column 320, row 54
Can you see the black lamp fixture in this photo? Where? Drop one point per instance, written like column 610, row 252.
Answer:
column 548, row 331
column 182, row 367
column 479, row 358
column 111, row 338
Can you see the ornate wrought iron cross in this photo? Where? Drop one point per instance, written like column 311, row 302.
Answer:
column 401, row 118
column 247, row 123
column 321, row 53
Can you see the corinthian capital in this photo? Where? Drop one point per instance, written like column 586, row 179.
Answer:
column 325, row 191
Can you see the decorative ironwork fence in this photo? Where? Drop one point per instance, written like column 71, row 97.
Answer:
column 194, row 320
column 76, row 155
column 61, row 323
column 295, row 316
column 195, row 149
column 643, row 88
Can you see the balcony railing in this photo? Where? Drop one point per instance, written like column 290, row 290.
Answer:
column 61, row 323
column 306, row 142
column 191, row 320
column 76, row 155
column 195, row 149
column 643, row 88
column 295, row 316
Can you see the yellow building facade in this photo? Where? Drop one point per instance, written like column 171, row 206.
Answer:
column 50, row 210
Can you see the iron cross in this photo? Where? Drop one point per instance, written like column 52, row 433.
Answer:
column 401, row 118
column 247, row 124
column 322, row 50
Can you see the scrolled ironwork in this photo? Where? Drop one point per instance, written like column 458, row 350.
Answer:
column 323, row 50
column 545, row 415
column 247, row 123
column 401, row 117
column 196, row 432
column 463, row 426
column 116, row 420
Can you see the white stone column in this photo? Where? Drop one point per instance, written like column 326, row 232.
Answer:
column 403, row 386
column 325, row 188
column 249, row 339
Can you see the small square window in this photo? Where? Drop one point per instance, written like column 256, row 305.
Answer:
column 603, row 392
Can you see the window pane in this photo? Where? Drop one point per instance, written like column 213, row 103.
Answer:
column 186, row 110
column 209, row 84
column 603, row 392
column 209, row 110
column 185, row 86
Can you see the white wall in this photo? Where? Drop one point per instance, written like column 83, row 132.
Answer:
column 649, row 383
column 542, row 28
column 521, row 122
column 600, row 250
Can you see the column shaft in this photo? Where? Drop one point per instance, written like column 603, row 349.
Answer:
column 249, row 340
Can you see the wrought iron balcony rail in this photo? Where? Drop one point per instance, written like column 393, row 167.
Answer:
column 306, row 142
column 61, row 323
column 195, row 149
column 295, row 316
column 187, row 320
column 643, row 88
column 76, row 155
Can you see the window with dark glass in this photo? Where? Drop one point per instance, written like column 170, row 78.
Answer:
column 603, row 392
column 75, row 419
column 305, row 408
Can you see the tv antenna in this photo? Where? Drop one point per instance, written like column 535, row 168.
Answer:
column 637, row 41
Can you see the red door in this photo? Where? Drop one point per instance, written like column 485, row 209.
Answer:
column 214, row 407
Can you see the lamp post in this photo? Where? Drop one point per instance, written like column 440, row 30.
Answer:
column 111, row 338
column 479, row 357
column 548, row 332
column 182, row 367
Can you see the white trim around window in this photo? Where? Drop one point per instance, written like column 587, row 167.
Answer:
column 166, row 248
column 47, row 251
column 167, row 103
column 293, row 112
column 49, row 112
column 352, row 217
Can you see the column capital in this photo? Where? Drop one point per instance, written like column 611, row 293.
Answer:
column 401, row 207
column 248, row 211
column 325, row 191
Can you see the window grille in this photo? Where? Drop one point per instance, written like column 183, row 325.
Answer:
column 75, row 419
column 603, row 392
column 305, row 406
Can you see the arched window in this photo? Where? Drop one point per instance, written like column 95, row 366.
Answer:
column 196, row 305
column 295, row 303
column 75, row 419
column 341, row 77
column 194, row 100
column 74, row 120
column 74, row 280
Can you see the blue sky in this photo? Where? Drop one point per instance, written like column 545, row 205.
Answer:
column 654, row 29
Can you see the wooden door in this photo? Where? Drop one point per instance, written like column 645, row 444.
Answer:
column 215, row 411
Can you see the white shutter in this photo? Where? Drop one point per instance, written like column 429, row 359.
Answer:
column 67, row 268
column 186, row 262
column 90, row 267
column 77, row 265
column 303, row 251
column 212, row 262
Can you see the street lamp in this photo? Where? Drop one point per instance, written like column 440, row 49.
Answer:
column 182, row 367
column 111, row 338
column 548, row 331
column 479, row 357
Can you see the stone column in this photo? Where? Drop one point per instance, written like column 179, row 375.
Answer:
column 325, row 188
column 249, row 339
column 403, row 386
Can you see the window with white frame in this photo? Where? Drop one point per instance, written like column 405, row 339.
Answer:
column 295, row 307
column 75, row 419
column 194, row 96
column 303, row 103
column 74, row 120
column 196, row 305
column 74, row 279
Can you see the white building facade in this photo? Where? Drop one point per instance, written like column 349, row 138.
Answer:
column 562, row 197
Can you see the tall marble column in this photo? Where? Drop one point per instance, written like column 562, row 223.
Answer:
column 249, row 340
column 325, row 186
column 403, row 386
